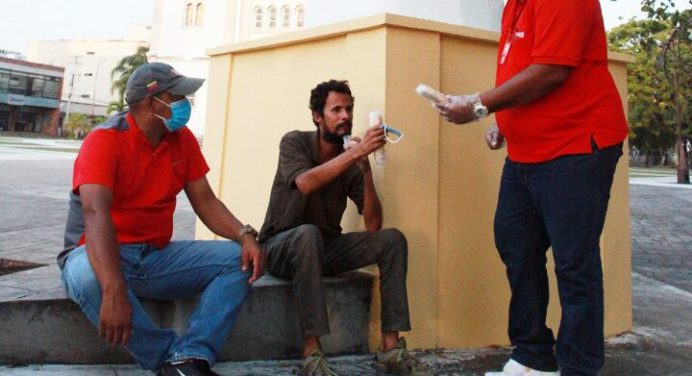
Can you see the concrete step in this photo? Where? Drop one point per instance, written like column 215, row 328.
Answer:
column 52, row 329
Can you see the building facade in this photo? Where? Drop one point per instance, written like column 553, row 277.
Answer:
column 183, row 30
column 88, row 65
column 30, row 96
column 479, row 14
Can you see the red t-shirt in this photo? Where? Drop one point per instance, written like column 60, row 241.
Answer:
column 568, row 33
column 144, row 180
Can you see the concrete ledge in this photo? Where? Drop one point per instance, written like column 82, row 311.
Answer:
column 55, row 330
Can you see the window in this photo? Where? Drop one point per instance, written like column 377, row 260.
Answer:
column 30, row 84
column 285, row 16
column 300, row 16
column 199, row 14
column 189, row 15
column 272, row 16
column 37, row 87
column 18, row 85
column 50, row 88
column 4, row 82
column 258, row 17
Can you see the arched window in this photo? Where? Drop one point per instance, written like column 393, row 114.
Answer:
column 300, row 16
column 199, row 14
column 285, row 16
column 272, row 16
column 189, row 15
column 258, row 17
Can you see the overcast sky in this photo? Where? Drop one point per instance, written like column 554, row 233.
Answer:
column 25, row 20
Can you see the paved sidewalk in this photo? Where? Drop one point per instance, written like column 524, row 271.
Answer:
column 35, row 179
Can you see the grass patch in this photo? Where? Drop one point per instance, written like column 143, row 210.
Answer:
column 45, row 148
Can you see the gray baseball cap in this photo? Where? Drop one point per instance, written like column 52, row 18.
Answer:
column 154, row 78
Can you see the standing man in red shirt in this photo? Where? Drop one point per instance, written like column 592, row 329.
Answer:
column 563, row 120
column 126, row 179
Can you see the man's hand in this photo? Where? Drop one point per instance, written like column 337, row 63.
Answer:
column 252, row 254
column 458, row 109
column 493, row 138
column 363, row 163
column 373, row 140
column 115, row 320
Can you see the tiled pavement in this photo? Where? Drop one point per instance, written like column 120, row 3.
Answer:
column 34, row 183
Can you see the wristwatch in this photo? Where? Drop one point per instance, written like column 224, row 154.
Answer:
column 479, row 110
column 247, row 229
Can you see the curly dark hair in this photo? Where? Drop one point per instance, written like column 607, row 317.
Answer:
column 318, row 95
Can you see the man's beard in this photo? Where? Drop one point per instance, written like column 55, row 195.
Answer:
column 333, row 138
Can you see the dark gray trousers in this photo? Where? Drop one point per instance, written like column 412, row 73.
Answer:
column 302, row 255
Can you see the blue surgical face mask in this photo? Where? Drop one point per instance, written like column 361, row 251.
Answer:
column 180, row 114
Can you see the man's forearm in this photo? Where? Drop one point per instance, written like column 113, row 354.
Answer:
column 103, row 251
column 213, row 213
column 319, row 176
column 528, row 85
column 372, row 208
column 216, row 216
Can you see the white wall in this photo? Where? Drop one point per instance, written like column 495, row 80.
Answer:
column 184, row 47
column 481, row 14
column 173, row 39
column 90, row 63
column 247, row 25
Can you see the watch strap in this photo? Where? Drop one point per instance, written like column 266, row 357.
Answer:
column 247, row 229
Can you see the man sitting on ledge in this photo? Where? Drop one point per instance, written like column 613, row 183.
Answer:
column 118, row 249
column 302, row 234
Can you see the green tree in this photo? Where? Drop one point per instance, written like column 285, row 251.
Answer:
column 659, row 82
column 126, row 66
column 116, row 106
column 96, row 120
column 78, row 125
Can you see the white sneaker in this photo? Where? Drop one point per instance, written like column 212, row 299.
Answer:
column 514, row 368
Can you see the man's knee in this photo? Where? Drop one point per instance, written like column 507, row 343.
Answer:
column 394, row 248
column 210, row 252
column 307, row 234
column 306, row 239
column 80, row 278
column 397, row 240
column 306, row 246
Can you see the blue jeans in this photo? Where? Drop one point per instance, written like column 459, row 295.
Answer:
column 180, row 270
column 561, row 203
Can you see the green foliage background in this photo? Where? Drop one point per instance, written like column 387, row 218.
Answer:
column 660, row 80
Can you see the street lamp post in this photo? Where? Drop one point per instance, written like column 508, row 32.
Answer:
column 69, row 95
column 93, row 93
column 69, row 101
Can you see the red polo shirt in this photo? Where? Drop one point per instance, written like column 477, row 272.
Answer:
column 144, row 180
column 587, row 104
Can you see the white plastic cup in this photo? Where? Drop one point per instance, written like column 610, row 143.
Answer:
column 376, row 121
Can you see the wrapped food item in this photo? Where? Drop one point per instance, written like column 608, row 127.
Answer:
column 376, row 121
column 427, row 92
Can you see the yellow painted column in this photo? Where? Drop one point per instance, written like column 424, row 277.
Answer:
column 411, row 173
column 216, row 127
column 616, row 247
